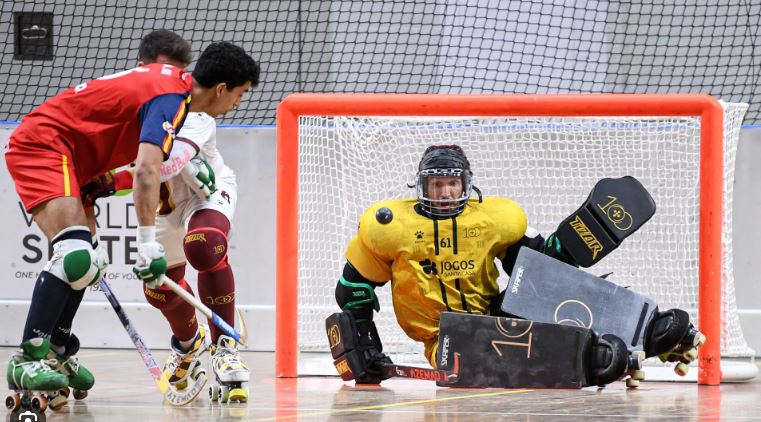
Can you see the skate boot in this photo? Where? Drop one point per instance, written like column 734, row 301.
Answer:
column 32, row 377
column 610, row 361
column 230, row 373
column 672, row 337
column 183, row 369
column 80, row 378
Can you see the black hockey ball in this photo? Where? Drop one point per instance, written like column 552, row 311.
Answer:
column 384, row 215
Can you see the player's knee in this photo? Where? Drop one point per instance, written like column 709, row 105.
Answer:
column 205, row 248
column 74, row 259
column 163, row 298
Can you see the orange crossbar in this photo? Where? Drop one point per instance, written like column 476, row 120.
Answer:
column 711, row 188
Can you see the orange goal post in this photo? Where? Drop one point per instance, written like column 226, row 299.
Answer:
column 339, row 153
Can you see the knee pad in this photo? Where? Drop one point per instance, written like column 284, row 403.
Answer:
column 205, row 248
column 163, row 298
column 74, row 259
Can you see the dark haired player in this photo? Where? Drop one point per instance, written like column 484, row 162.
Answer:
column 193, row 223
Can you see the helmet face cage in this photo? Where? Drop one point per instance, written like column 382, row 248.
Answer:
column 443, row 207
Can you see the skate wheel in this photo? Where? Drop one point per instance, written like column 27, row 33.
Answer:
column 632, row 383
column 13, row 402
column 640, row 357
column 213, row 392
column 39, row 404
column 691, row 354
column 80, row 394
column 681, row 369
column 700, row 340
column 197, row 372
column 638, row 375
column 58, row 400
column 224, row 393
column 239, row 394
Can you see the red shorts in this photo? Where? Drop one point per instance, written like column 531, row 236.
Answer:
column 40, row 172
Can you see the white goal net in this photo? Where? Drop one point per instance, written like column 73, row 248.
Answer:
column 548, row 165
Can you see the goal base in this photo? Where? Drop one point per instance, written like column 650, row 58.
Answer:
column 732, row 369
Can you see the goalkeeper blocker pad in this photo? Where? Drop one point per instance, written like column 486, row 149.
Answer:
column 614, row 210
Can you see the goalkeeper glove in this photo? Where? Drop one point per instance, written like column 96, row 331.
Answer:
column 199, row 175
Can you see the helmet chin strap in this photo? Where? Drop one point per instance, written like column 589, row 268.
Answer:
column 478, row 192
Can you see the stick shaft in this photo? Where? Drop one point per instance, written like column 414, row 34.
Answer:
column 161, row 381
column 218, row 321
column 428, row 374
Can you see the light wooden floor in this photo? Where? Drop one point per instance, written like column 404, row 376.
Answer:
column 124, row 391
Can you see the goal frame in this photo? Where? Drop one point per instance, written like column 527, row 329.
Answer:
column 711, row 173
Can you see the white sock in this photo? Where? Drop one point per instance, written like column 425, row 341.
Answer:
column 185, row 344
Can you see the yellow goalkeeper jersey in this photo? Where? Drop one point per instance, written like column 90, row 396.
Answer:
column 436, row 265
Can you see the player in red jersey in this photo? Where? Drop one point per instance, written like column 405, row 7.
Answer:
column 81, row 133
column 193, row 223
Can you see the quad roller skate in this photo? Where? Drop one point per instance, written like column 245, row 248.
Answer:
column 80, row 378
column 673, row 338
column 231, row 375
column 183, row 369
column 35, row 384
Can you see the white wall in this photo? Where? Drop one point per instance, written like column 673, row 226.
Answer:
column 251, row 152
column 747, row 233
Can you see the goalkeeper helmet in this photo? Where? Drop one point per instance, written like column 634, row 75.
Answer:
column 443, row 163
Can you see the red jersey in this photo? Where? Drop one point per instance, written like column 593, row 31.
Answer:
column 99, row 124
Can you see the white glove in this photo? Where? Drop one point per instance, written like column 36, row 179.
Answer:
column 151, row 264
column 199, row 175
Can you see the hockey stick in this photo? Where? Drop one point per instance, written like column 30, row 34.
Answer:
column 158, row 376
column 428, row 374
column 219, row 322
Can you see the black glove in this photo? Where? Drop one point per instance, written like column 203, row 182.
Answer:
column 100, row 187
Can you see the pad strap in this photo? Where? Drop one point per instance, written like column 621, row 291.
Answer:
column 356, row 295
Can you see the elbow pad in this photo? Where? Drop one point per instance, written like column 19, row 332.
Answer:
column 356, row 294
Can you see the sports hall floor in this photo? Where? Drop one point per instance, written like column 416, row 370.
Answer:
column 124, row 391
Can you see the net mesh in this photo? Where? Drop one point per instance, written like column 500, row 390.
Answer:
column 409, row 46
column 547, row 165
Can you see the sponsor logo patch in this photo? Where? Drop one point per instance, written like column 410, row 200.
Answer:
column 195, row 237
column 586, row 236
column 334, row 336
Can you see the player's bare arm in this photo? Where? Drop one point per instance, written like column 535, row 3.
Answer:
column 151, row 264
column 146, row 184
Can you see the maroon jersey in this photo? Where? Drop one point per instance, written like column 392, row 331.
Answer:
column 99, row 124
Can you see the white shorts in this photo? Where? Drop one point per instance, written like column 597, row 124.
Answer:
column 171, row 228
